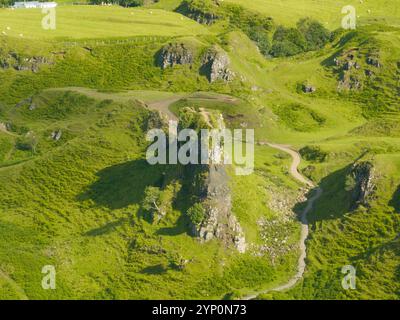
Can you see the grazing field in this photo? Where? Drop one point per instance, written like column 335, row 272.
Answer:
column 288, row 12
column 79, row 22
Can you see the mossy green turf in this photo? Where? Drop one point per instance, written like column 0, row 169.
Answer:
column 78, row 22
column 288, row 12
column 82, row 214
column 75, row 203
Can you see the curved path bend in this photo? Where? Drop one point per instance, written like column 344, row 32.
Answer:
column 301, row 264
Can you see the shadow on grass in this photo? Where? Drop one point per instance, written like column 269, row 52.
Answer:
column 107, row 228
column 154, row 270
column 180, row 227
column 334, row 202
column 123, row 184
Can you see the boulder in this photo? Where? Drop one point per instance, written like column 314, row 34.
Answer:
column 22, row 63
column 175, row 54
column 215, row 65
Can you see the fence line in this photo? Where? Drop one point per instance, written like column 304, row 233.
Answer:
column 135, row 40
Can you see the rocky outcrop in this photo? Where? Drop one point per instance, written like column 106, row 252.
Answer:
column 18, row 62
column 215, row 65
column 362, row 174
column 56, row 135
column 346, row 64
column 373, row 60
column 352, row 74
column 175, row 54
column 220, row 223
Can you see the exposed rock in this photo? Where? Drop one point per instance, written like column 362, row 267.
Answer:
column 56, row 135
column 349, row 82
column 374, row 61
column 308, row 88
column 173, row 54
column 348, row 65
column 348, row 68
column 215, row 65
column 363, row 175
column 22, row 63
column 220, row 222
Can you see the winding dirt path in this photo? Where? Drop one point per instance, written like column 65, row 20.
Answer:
column 301, row 264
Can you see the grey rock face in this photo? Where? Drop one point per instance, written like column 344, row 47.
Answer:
column 174, row 54
column 363, row 175
column 215, row 65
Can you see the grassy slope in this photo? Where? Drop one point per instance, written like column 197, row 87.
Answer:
column 91, row 239
column 78, row 22
column 84, row 215
column 288, row 12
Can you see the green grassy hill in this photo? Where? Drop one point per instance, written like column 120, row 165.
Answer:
column 80, row 22
column 288, row 12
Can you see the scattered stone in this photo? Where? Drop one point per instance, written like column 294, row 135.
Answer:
column 374, row 61
column 220, row 223
column 22, row 63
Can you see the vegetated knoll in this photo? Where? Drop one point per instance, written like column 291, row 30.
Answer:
column 82, row 199
column 355, row 223
column 367, row 68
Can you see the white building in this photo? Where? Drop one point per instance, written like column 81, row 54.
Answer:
column 34, row 4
